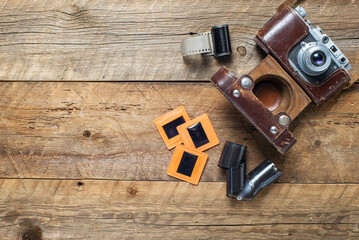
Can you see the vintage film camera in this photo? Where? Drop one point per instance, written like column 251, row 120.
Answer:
column 303, row 65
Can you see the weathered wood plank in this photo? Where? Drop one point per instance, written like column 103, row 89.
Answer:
column 106, row 131
column 151, row 210
column 140, row 40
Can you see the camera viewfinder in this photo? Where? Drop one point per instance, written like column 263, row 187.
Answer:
column 333, row 48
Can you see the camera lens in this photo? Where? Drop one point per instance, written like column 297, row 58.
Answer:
column 314, row 58
column 318, row 58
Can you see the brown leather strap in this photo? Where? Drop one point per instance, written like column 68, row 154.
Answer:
column 253, row 109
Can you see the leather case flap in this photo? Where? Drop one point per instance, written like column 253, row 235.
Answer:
column 253, row 109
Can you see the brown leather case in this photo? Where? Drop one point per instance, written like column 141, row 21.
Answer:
column 278, row 37
column 293, row 98
column 254, row 110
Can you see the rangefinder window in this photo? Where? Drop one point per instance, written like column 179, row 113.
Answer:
column 188, row 161
column 333, row 48
column 171, row 127
column 198, row 135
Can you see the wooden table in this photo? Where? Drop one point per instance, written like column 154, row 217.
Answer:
column 80, row 157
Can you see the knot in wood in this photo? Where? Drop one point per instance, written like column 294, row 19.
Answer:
column 86, row 134
column 132, row 191
column 242, row 50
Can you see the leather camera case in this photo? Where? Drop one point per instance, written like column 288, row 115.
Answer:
column 293, row 100
column 278, row 37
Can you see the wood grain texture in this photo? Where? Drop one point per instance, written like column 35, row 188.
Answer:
column 61, row 209
column 83, row 160
column 106, row 131
column 140, row 40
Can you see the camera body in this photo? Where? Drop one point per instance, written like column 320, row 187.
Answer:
column 316, row 57
column 306, row 53
column 303, row 65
